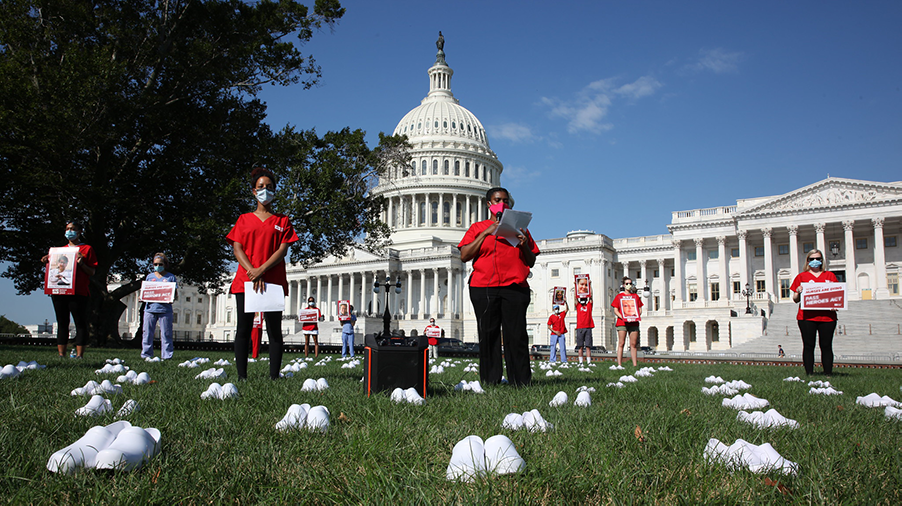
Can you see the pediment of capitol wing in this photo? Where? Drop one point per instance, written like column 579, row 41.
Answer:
column 830, row 193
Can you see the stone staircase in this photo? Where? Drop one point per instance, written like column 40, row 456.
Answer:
column 871, row 327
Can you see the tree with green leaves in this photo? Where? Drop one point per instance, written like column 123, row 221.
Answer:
column 140, row 119
column 8, row 326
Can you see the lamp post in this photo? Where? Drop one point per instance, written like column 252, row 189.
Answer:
column 747, row 293
column 386, row 316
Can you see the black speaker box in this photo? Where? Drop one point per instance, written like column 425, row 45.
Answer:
column 390, row 366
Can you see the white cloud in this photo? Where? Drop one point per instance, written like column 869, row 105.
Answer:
column 588, row 108
column 514, row 132
column 717, row 60
column 513, row 174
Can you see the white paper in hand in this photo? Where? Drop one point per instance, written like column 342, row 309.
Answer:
column 510, row 225
column 272, row 298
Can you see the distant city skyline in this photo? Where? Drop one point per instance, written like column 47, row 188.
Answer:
column 609, row 116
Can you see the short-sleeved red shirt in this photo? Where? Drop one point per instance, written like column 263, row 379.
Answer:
column 433, row 341
column 497, row 263
column 814, row 315
column 260, row 239
column 584, row 316
column 558, row 325
column 82, row 278
column 616, row 304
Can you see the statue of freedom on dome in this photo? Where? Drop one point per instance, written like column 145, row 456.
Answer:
column 440, row 44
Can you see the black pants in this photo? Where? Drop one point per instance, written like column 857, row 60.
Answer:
column 77, row 305
column 823, row 333
column 497, row 308
column 243, row 338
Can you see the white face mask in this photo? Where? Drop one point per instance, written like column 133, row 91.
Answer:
column 265, row 195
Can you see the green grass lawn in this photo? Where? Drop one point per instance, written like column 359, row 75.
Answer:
column 377, row 452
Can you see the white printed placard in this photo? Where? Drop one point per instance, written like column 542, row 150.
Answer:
column 59, row 276
column 433, row 332
column 308, row 315
column 156, row 291
column 824, row 296
column 629, row 309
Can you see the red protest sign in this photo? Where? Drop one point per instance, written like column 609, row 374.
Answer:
column 824, row 296
column 155, row 291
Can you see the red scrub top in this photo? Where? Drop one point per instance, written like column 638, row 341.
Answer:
column 558, row 325
column 260, row 239
column 584, row 316
column 616, row 304
column 82, row 278
column 814, row 315
column 497, row 263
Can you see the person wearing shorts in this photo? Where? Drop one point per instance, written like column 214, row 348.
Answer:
column 629, row 325
column 584, row 326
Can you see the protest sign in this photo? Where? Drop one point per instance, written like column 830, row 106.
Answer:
column 629, row 309
column 156, row 291
column 824, row 296
column 583, row 286
column 59, row 276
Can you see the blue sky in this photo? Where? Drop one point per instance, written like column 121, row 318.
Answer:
column 608, row 116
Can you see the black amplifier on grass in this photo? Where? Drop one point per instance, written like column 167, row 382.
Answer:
column 395, row 364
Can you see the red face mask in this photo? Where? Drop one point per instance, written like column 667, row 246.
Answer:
column 498, row 207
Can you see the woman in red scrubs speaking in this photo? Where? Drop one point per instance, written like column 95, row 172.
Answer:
column 260, row 241
column 500, row 293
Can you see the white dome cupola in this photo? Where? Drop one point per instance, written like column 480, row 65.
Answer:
column 442, row 192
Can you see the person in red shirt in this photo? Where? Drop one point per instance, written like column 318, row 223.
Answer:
column 499, row 293
column 77, row 305
column 260, row 241
column 311, row 328
column 627, row 324
column 557, row 325
column 433, row 341
column 584, row 326
column 815, row 324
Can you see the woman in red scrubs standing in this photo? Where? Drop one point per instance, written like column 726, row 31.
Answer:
column 260, row 241
column 815, row 324
column 500, row 293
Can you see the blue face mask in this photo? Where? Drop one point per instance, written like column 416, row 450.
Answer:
column 815, row 264
column 71, row 235
column 159, row 268
column 265, row 195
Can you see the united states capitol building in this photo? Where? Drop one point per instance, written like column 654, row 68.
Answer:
column 716, row 281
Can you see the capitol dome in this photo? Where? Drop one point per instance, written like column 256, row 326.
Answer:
column 441, row 193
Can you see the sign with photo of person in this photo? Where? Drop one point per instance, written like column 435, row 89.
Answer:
column 583, row 286
column 559, row 295
column 824, row 296
column 59, row 276
column 344, row 310
column 629, row 309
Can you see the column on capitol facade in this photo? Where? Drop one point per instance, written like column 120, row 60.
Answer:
column 341, row 287
column 327, row 311
column 851, row 276
column 468, row 219
column 410, row 311
column 725, row 285
column 448, row 309
column 421, row 309
column 435, row 306
column 351, row 291
column 677, row 274
column 744, row 260
column 626, row 270
column 769, row 263
column 821, row 243
column 700, row 270
column 880, row 259
column 663, row 290
column 644, row 274
column 793, row 250
column 319, row 291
